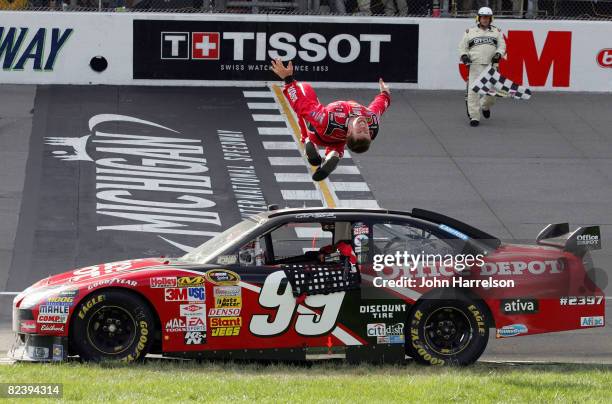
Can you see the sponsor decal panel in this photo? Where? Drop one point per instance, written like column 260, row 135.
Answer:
column 225, row 326
column 197, row 294
column 27, row 326
column 519, row 306
column 222, row 277
column 581, row 300
column 185, row 324
column 53, row 328
column 511, row 330
column 112, row 282
column 241, row 50
column 193, row 310
column 195, row 337
column 382, row 311
column 38, row 352
column 228, row 302
column 376, row 330
column 163, row 282
column 60, row 300
column 187, row 281
column 52, row 318
column 221, row 291
column 224, row 312
column 58, row 352
column 53, row 309
column 592, row 321
column 604, row 58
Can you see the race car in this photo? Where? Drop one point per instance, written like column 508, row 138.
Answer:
column 300, row 284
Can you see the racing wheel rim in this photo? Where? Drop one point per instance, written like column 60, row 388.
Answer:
column 111, row 330
column 448, row 331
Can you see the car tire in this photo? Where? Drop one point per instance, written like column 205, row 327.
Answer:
column 447, row 332
column 112, row 325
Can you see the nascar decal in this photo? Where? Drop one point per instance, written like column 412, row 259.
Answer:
column 222, row 277
column 307, row 322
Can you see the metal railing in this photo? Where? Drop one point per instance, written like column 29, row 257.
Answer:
column 540, row 9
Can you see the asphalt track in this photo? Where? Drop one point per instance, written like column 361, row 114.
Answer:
column 537, row 162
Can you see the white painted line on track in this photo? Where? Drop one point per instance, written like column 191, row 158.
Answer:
column 267, row 118
column 350, row 186
column 292, row 177
column 258, row 94
column 274, row 131
column 346, row 170
column 301, row 194
column 9, row 293
column 358, row 203
column 262, row 105
column 286, row 161
column 280, row 146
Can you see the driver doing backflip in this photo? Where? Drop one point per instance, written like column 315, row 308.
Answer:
column 334, row 125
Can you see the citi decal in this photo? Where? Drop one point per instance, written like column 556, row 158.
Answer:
column 310, row 47
column 21, row 48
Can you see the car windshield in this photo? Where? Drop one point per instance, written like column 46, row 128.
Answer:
column 210, row 249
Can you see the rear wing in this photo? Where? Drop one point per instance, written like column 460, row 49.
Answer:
column 578, row 242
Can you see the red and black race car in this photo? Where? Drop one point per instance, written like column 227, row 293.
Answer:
column 367, row 285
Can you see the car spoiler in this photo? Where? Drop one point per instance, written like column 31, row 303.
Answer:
column 578, row 242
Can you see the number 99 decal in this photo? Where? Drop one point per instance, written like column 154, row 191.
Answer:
column 309, row 322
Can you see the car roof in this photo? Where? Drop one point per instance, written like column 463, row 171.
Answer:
column 422, row 214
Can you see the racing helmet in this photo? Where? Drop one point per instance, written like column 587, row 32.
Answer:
column 484, row 12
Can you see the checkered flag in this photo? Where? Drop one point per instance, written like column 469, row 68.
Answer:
column 490, row 82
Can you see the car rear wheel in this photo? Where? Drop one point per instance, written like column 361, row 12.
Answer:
column 447, row 332
column 112, row 325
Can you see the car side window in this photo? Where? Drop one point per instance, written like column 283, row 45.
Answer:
column 391, row 237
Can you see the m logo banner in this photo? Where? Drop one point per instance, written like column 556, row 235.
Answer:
column 242, row 50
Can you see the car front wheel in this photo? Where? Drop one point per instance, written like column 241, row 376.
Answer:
column 112, row 325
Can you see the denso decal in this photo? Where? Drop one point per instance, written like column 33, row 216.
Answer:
column 224, row 312
column 163, row 282
column 511, row 330
column 222, row 277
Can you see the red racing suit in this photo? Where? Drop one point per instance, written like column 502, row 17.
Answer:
column 326, row 125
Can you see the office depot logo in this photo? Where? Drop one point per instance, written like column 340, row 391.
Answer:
column 194, row 45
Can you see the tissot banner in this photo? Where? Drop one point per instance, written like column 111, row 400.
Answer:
column 237, row 50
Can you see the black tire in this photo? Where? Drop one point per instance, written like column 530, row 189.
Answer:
column 447, row 332
column 112, row 325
